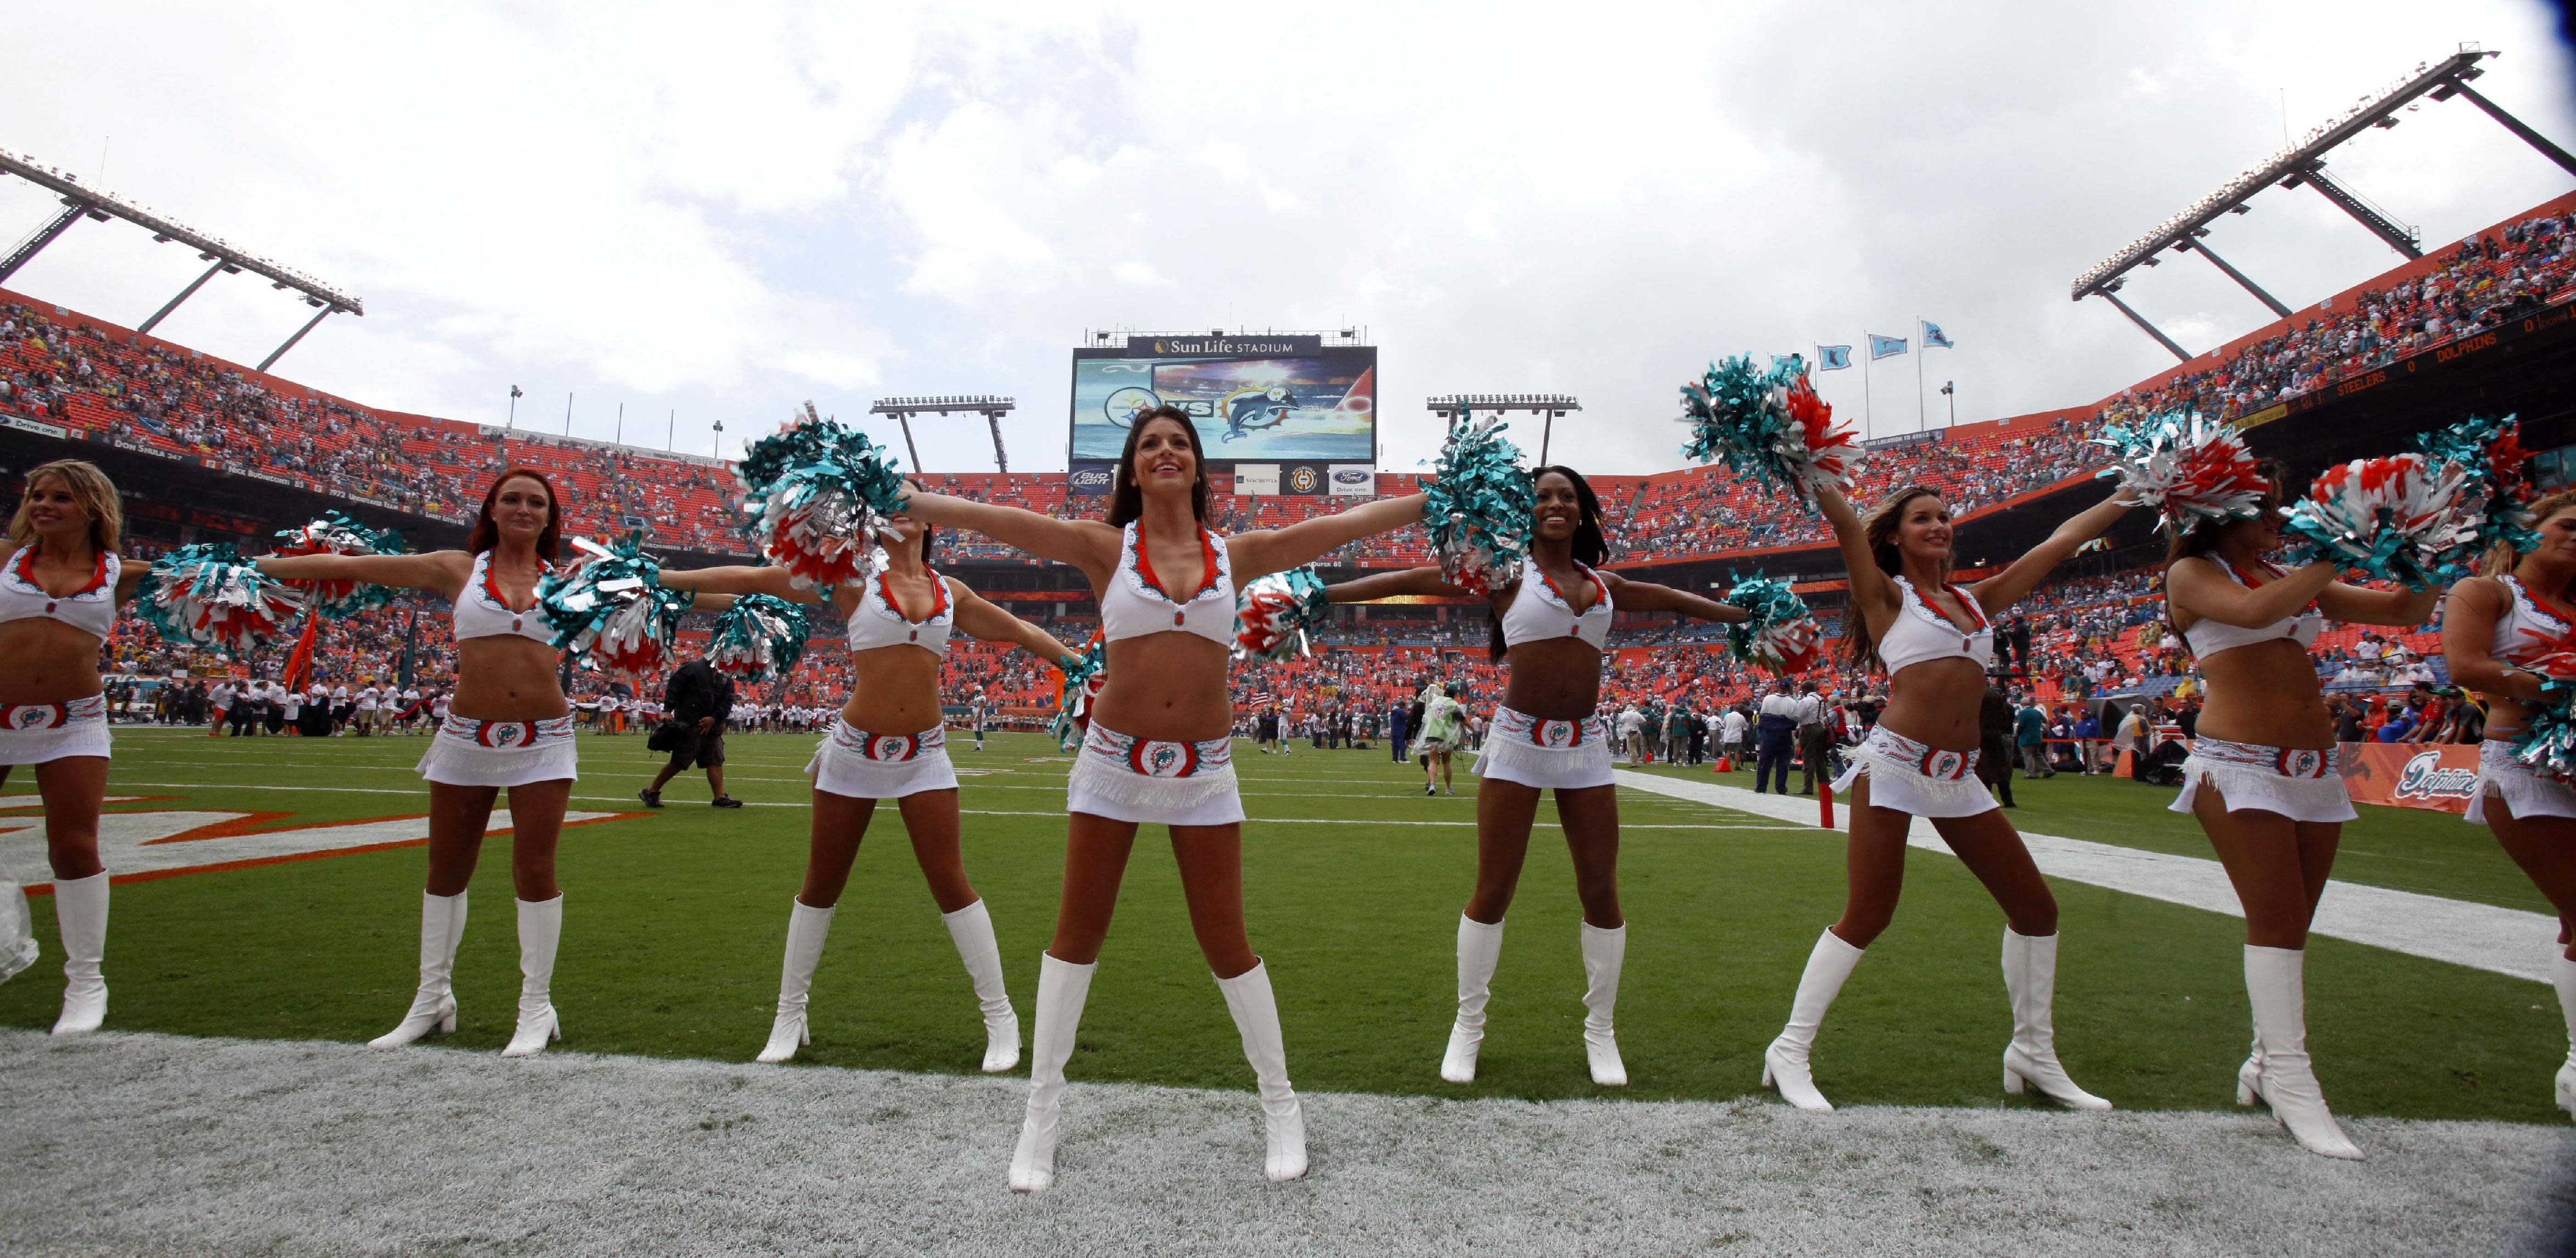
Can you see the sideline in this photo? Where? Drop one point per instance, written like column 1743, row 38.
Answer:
column 2503, row 941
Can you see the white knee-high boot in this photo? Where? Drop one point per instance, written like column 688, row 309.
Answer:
column 807, row 928
column 80, row 910
column 433, row 1005
column 1605, row 952
column 2030, row 978
column 2276, row 984
column 2562, row 975
column 971, row 929
column 1256, row 1017
column 1062, row 987
column 1479, row 946
column 2249, row 1076
column 18, row 946
column 540, row 929
column 1784, row 1064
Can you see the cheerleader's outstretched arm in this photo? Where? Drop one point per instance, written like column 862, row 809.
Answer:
column 1646, row 596
column 1264, row 551
column 737, row 579
column 2023, row 575
column 981, row 619
column 1086, row 544
column 1425, row 582
column 2361, row 605
column 440, row 570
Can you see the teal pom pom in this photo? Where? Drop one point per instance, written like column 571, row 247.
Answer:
column 1274, row 614
column 337, row 534
column 2548, row 740
column 1478, row 506
column 2187, row 466
column 1769, row 425
column 610, row 610
column 2396, row 519
column 1782, row 636
column 204, row 595
column 816, row 489
column 2490, row 451
column 758, row 638
column 1084, row 676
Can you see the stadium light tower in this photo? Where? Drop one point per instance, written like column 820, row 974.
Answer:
column 1550, row 407
column 904, row 408
column 80, row 202
column 2303, row 162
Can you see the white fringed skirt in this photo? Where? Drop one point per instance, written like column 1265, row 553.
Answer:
column 2300, row 783
column 2526, row 791
column 468, row 752
column 33, row 733
column 861, row 765
column 1562, row 755
column 1150, row 781
column 1917, row 778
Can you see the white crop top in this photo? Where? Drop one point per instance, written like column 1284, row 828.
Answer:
column 2527, row 630
column 90, row 609
column 481, row 612
column 1540, row 610
column 2207, row 637
column 1921, row 633
column 1135, row 604
column 877, row 621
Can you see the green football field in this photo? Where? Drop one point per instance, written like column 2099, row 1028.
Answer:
column 674, row 920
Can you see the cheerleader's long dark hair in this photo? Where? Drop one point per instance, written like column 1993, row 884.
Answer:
column 1591, row 546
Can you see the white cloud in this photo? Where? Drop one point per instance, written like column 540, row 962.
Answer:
column 724, row 215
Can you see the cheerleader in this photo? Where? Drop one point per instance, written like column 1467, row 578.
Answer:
column 1936, row 641
column 58, row 600
column 889, row 744
column 1158, row 749
column 2262, row 777
column 1550, row 621
column 2494, row 627
column 511, row 728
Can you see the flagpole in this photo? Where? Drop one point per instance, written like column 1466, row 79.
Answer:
column 1869, row 359
column 1923, row 351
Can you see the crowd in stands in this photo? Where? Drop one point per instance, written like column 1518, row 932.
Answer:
column 2485, row 281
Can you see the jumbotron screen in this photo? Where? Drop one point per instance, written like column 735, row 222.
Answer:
column 1255, row 399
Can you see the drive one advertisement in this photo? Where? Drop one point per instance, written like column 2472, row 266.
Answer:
column 1255, row 399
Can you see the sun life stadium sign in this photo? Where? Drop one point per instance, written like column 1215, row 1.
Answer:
column 1226, row 347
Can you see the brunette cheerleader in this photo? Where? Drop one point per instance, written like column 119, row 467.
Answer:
column 890, row 744
column 2262, row 777
column 509, row 728
column 1158, row 750
column 1936, row 641
column 1550, row 623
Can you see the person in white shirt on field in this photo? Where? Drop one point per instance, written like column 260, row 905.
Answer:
column 343, row 709
column 370, row 711
column 1733, row 728
column 220, row 700
column 290, row 704
column 1632, row 734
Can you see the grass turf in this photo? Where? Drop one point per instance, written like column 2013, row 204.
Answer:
column 674, row 919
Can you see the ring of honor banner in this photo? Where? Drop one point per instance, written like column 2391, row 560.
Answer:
column 2438, row 776
column 1291, row 402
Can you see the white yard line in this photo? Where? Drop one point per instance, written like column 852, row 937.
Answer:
column 2481, row 936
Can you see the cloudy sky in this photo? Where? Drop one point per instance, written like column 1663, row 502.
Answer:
column 725, row 215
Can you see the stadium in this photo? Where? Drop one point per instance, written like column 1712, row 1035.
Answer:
column 263, row 828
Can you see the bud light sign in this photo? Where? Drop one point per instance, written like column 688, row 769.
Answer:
column 1089, row 478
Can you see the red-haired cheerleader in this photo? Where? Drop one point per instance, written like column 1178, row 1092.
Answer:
column 508, row 728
